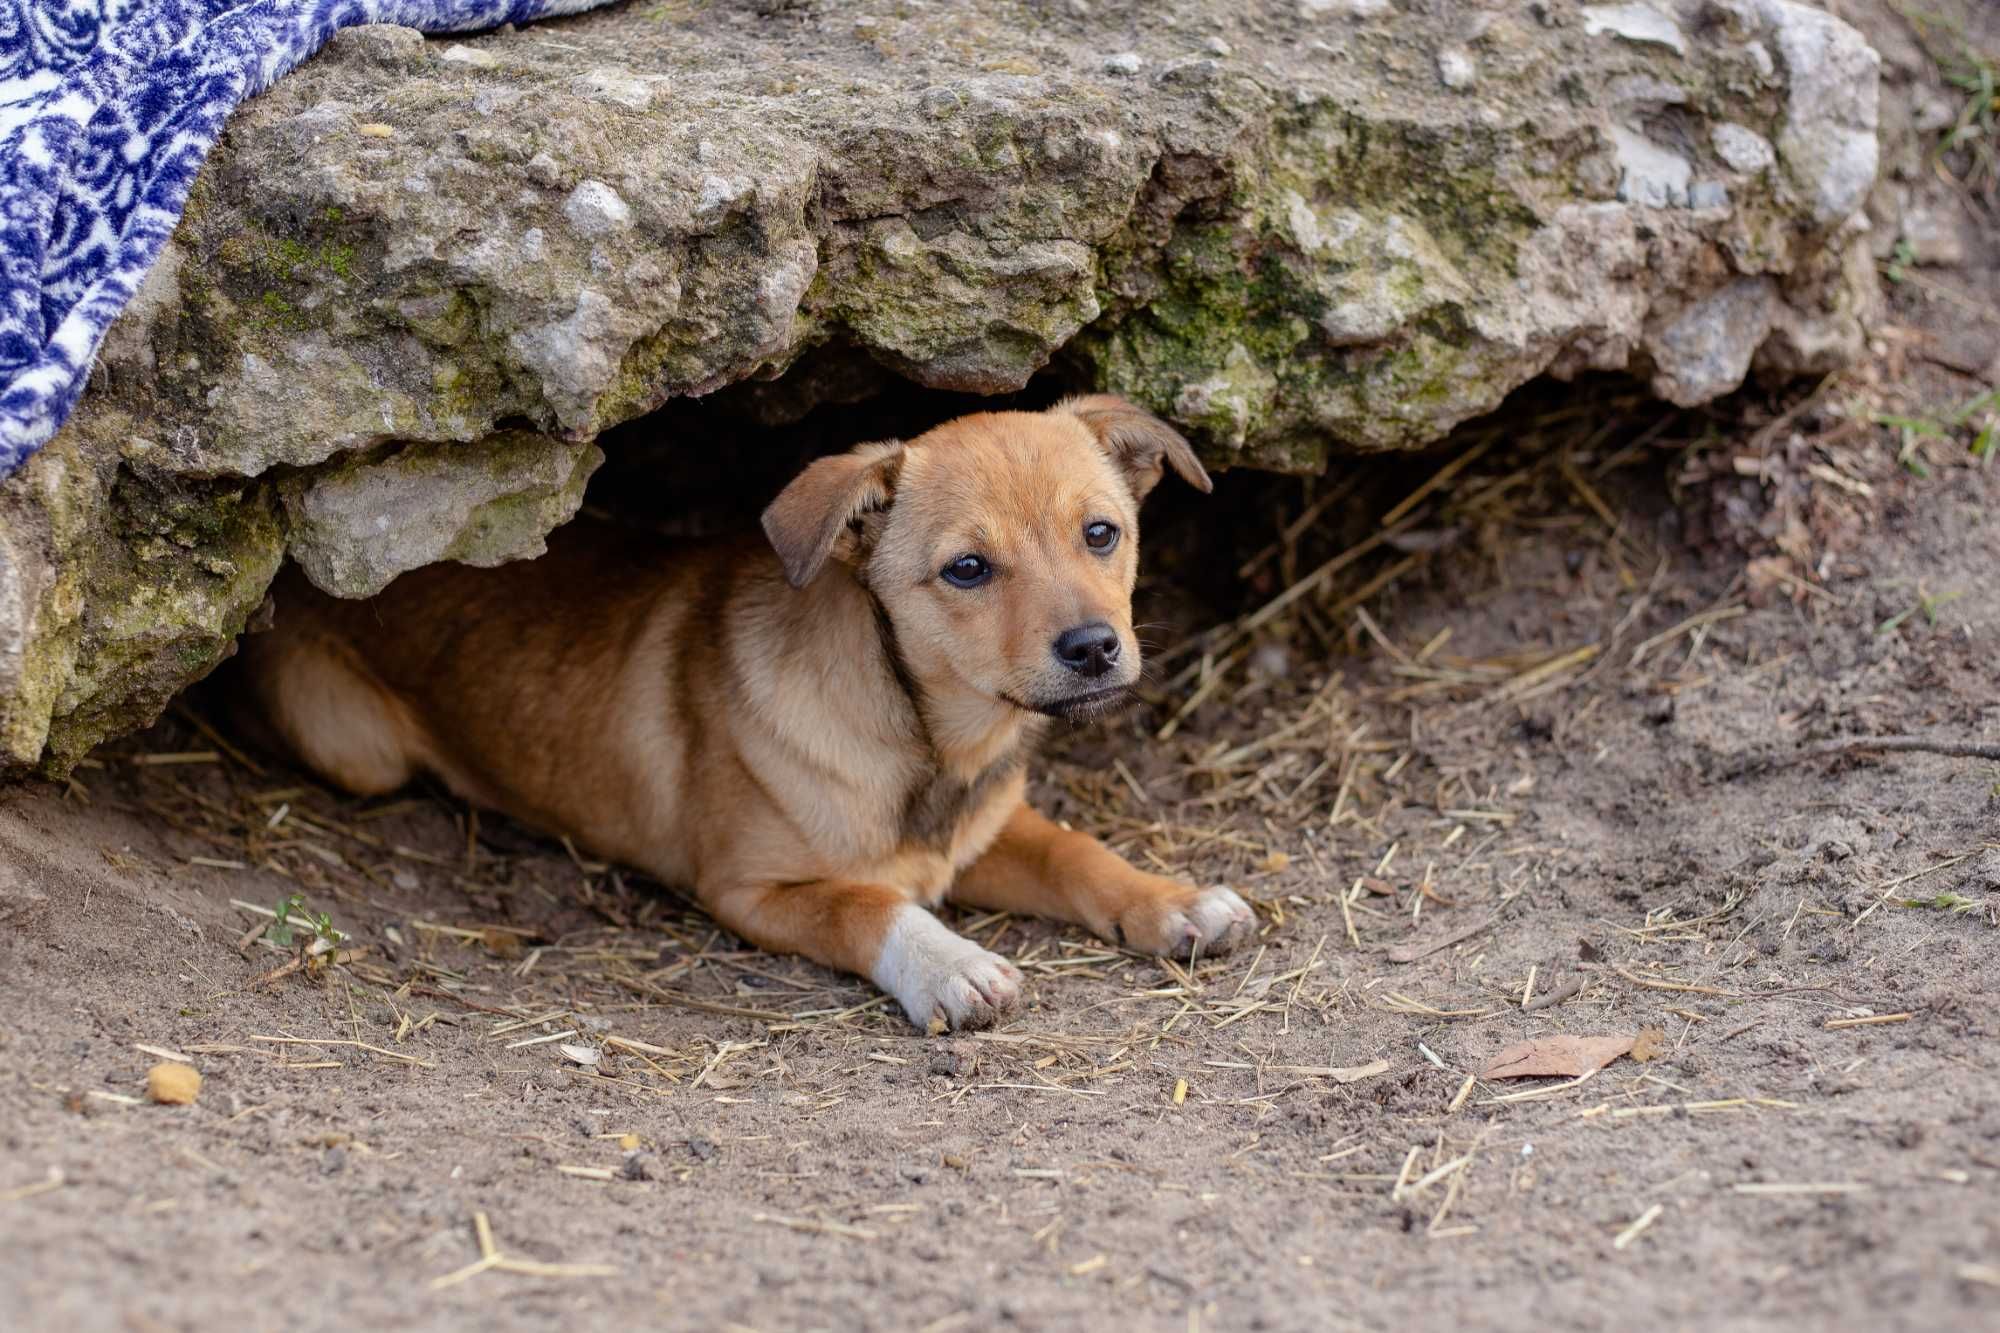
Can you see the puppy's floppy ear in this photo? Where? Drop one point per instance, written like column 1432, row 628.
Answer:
column 810, row 516
column 1137, row 441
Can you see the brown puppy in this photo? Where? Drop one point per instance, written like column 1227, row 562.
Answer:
column 824, row 742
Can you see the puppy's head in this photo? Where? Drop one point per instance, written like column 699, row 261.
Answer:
column 1002, row 546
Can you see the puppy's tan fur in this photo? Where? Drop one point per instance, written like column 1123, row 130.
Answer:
column 822, row 736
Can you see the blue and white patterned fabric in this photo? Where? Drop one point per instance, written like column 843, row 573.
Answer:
column 107, row 108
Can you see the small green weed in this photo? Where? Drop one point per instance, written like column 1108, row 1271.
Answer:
column 1955, row 903
column 1969, row 148
column 1927, row 604
column 292, row 917
column 1901, row 260
column 1972, row 135
column 1982, row 410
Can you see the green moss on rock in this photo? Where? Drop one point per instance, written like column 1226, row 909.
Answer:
column 173, row 577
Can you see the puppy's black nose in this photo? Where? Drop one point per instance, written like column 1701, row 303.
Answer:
column 1088, row 650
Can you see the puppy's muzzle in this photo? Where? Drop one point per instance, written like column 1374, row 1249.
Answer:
column 1090, row 655
column 1089, row 650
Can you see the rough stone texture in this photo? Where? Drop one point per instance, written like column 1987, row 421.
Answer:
column 118, row 586
column 1706, row 349
column 355, row 527
column 1294, row 228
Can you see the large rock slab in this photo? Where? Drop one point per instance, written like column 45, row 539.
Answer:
column 428, row 273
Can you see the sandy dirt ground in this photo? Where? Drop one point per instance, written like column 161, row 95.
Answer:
column 1536, row 763
column 1295, row 1136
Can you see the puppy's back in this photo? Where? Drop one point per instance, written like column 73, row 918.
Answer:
column 521, row 686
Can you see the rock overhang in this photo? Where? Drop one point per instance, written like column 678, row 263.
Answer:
column 436, row 270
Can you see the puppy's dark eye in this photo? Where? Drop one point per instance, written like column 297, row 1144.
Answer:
column 968, row 571
column 1100, row 536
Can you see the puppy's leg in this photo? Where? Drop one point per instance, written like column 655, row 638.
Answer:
column 317, row 696
column 941, row 979
column 1037, row 868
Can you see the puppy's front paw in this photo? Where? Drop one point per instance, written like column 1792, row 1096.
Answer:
column 943, row 980
column 974, row 991
column 1204, row 921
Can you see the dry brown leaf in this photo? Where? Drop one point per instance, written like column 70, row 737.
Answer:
column 1650, row 1045
column 1556, row 1057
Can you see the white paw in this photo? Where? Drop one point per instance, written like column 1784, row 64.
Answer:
column 1207, row 922
column 942, row 979
column 1220, row 919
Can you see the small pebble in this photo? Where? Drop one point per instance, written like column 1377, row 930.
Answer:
column 1125, row 62
column 173, row 1084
